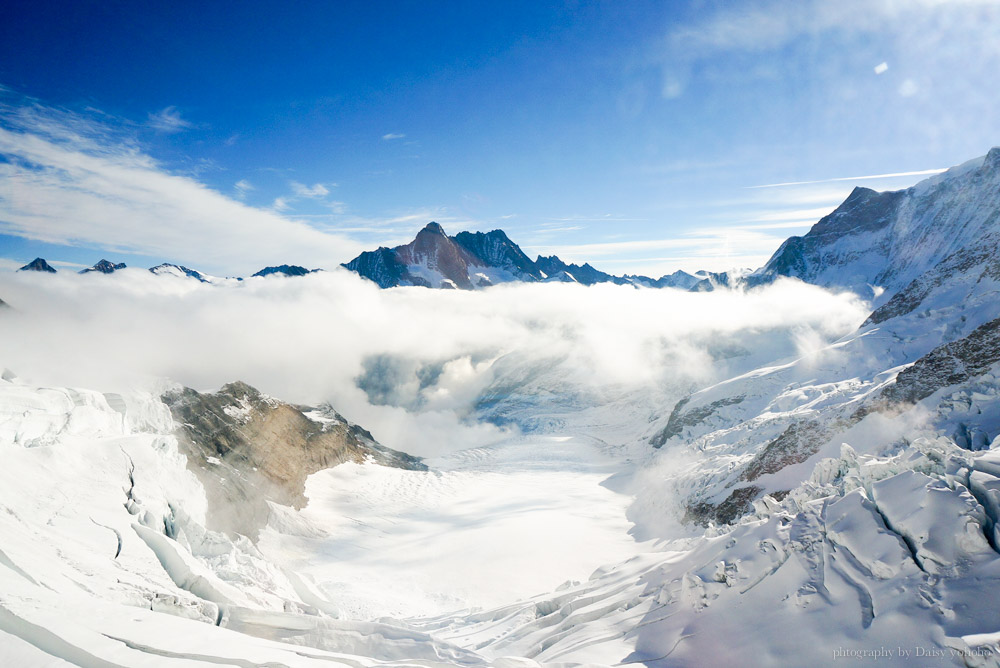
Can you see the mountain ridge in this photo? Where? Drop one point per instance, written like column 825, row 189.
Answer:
column 876, row 244
column 472, row 260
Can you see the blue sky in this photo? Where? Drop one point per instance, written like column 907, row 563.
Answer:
column 225, row 136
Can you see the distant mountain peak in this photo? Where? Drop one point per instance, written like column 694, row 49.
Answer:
column 285, row 270
column 433, row 228
column 38, row 264
column 167, row 269
column 104, row 267
column 471, row 260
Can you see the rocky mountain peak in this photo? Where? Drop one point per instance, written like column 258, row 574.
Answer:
column 472, row 260
column 104, row 267
column 433, row 228
column 38, row 264
column 285, row 270
column 992, row 161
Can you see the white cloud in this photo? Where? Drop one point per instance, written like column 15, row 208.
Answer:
column 313, row 337
column 168, row 120
column 762, row 26
column 771, row 24
column 392, row 135
column 242, row 187
column 882, row 68
column 67, row 179
column 315, row 191
column 716, row 249
column 796, row 215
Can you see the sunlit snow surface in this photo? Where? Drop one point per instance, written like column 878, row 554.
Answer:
column 518, row 550
column 482, row 528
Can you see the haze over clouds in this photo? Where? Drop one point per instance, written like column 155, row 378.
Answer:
column 425, row 356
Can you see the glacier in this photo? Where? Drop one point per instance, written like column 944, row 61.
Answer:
column 801, row 468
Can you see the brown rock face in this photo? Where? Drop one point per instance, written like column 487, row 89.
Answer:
column 249, row 449
column 433, row 248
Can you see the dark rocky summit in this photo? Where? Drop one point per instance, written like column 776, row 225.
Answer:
column 285, row 270
column 104, row 267
column 38, row 264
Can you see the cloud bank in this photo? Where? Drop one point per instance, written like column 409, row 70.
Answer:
column 414, row 366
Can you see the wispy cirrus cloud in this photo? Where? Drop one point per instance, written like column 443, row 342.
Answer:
column 922, row 172
column 716, row 249
column 72, row 179
column 242, row 187
column 769, row 24
column 315, row 191
column 168, row 120
column 760, row 26
column 393, row 135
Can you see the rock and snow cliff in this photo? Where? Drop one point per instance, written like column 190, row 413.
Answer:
column 250, row 451
column 472, row 260
column 104, row 267
column 886, row 240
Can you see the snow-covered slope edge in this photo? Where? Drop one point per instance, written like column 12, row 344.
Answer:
column 105, row 561
column 883, row 241
column 891, row 551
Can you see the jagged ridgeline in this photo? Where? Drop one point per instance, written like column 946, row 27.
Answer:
column 471, row 260
column 467, row 261
column 930, row 342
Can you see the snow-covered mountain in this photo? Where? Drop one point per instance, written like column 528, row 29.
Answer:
column 104, row 267
column 886, row 240
column 832, row 501
column 469, row 260
column 284, row 270
column 180, row 271
column 434, row 260
column 472, row 260
column 498, row 251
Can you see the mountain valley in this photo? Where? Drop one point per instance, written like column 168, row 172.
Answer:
column 767, row 467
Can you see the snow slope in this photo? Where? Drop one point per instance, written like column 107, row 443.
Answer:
column 104, row 559
column 482, row 528
column 885, row 240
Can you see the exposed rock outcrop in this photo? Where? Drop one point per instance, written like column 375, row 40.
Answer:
column 948, row 364
column 249, row 449
column 471, row 260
